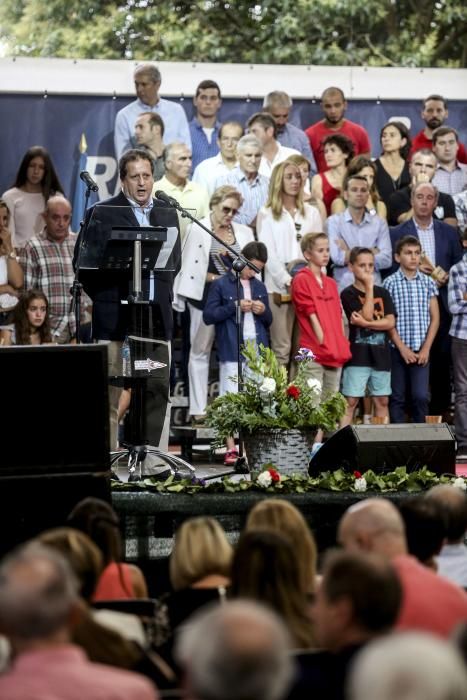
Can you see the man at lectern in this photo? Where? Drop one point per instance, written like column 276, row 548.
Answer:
column 111, row 319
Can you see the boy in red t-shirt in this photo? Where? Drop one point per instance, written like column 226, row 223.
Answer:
column 319, row 314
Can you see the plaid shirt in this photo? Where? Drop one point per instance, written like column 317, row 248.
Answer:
column 450, row 182
column 48, row 266
column 411, row 298
column 254, row 193
column 457, row 304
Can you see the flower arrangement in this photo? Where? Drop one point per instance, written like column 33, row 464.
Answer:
column 271, row 481
column 268, row 400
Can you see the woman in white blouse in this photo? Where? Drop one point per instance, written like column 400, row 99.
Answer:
column 203, row 261
column 281, row 224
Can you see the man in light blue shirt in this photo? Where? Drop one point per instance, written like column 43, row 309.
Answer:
column 278, row 104
column 147, row 79
column 356, row 227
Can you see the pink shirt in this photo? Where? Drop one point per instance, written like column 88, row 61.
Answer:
column 429, row 601
column 64, row 673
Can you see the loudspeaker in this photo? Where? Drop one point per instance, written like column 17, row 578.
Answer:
column 385, row 447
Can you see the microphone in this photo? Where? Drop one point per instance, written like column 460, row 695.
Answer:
column 167, row 199
column 87, row 179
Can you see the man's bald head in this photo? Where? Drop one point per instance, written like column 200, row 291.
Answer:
column 373, row 525
column 453, row 504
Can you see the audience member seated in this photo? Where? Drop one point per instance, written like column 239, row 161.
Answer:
column 327, row 186
column 460, row 202
column 36, row 181
column 149, row 132
column 98, row 520
column 451, row 175
column 359, row 165
column 440, row 250
column 279, row 104
column 358, row 600
column 305, row 172
column 424, row 529
column 39, row 605
column 375, row 525
column 392, row 169
column 263, row 126
column 176, row 183
column 11, row 272
column 30, row 321
column 452, row 559
column 281, row 225
column 355, row 227
column 147, row 80
column 238, row 651
column 47, row 261
column 279, row 515
column 210, row 170
column 422, row 169
column 199, row 569
column 205, row 125
column 247, row 180
column 334, row 105
column 408, row 667
column 434, row 113
column 204, row 260
column 265, row 569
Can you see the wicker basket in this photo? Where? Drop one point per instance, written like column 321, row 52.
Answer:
column 287, row 450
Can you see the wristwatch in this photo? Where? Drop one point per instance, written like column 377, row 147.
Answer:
column 13, row 256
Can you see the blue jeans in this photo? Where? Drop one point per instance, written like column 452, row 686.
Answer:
column 408, row 380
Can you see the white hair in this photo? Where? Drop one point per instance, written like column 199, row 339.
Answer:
column 408, row 666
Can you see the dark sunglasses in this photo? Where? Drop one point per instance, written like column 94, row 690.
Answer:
column 229, row 210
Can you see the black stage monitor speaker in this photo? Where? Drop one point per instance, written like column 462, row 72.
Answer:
column 385, row 447
column 54, row 415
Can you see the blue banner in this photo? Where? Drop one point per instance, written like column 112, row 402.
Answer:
column 58, row 122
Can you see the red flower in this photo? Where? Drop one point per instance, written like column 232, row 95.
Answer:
column 357, row 475
column 275, row 476
column 293, row 391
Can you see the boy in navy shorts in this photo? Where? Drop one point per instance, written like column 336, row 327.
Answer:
column 370, row 313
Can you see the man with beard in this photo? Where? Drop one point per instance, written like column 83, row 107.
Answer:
column 334, row 104
column 434, row 113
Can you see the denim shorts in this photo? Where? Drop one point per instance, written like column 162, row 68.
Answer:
column 355, row 380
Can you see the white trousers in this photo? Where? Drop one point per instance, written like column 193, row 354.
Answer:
column 227, row 370
column 201, row 339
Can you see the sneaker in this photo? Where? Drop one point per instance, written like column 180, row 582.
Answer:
column 230, row 458
column 198, row 421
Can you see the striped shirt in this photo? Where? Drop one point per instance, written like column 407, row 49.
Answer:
column 48, row 266
column 426, row 236
column 254, row 192
column 411, row 298
column 457, row 287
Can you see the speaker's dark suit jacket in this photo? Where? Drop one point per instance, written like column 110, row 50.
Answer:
column 110, row 318
column 448, row 247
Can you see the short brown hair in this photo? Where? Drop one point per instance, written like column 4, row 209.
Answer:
column 356, row 251
column 308, row 241
column 154, row 120
column 130, row 157
column 265, row 119
column 407, row 240
column 443, row 131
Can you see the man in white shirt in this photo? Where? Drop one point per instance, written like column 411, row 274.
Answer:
column 147, row 79
column 264, row 127
column 209, row 170
column 176, row 184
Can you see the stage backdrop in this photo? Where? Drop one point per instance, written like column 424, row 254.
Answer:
column 58, row 122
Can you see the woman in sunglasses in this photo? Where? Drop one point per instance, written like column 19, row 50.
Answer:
column 281, row 224
column 204, row 260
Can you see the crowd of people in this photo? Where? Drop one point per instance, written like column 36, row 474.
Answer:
column 266, row 618
column 363, row 258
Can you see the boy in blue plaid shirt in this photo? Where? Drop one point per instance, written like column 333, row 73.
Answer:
column 414, row 297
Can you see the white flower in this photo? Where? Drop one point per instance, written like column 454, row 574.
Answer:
column 264, row 479
column 459, row 483
column 314, row 384
column 360, row 484
column 268, row 386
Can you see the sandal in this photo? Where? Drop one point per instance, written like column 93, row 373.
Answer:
column 230, row 458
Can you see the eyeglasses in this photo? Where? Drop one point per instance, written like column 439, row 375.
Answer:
column 229, row 210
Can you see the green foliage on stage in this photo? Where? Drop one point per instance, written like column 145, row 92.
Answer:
column 270, row 481
column 323, row 32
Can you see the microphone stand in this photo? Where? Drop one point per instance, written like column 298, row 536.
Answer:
column 239, row 263
column 77, row 288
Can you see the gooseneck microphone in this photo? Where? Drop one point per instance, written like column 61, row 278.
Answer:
column 89, row 182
